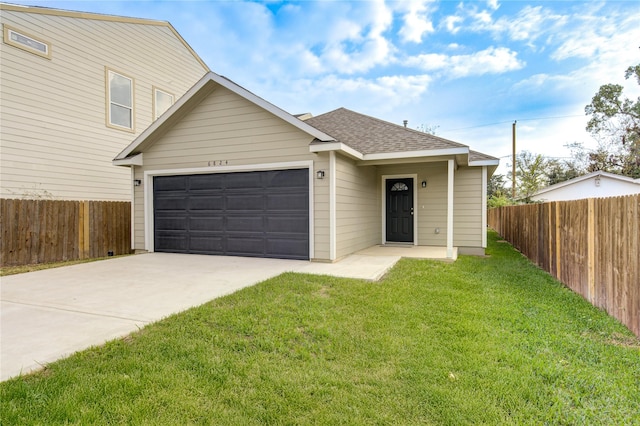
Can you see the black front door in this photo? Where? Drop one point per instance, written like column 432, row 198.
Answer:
column 400, row 210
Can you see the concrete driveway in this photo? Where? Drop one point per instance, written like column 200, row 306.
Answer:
column 47, row 315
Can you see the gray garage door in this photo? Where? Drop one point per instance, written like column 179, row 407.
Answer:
column 258, row 214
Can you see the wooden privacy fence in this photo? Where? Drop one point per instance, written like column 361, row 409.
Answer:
column 39, row 231
column 591, row 245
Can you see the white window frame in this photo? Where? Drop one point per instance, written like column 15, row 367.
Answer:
column 8, row 31
column 155, row 101
column 109, row 123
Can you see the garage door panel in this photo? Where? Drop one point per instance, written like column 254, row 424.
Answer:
column 210, row 223
column 170, row 183
column 243, row 202
column 174, row 243
column 245, row 246
column 207, row 244
column 210, row 182
column 288, row 202
column 261, row 214
column 285, row 247
column 288, row 224
column 171, row 223
column 200, row 202
column 245, row 223
column 171, row 203
column 244, row 180
column 289, row 179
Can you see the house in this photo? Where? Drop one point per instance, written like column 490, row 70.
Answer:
column 592, row 185
column 226, row 172
column 76, row 89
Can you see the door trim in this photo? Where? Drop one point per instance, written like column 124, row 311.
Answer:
column 384, row 204
column 148, row 191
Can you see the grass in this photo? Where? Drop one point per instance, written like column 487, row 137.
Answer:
column 480, row 341
column 12, row 270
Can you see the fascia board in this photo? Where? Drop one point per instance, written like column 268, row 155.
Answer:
column 413, row 154
column 485, row 163
column 336, row 146
column 136, row 160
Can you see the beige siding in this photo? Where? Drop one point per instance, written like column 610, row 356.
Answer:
column 226, row 127
column 54, row 141
column 467, row 207
column 431, row 205
column 358, row 219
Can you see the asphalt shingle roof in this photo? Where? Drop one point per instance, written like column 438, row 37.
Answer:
column 370, row 135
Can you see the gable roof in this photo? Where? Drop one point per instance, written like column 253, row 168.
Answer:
column 599, row 173
column 357, row 135
column 206, row 85
column 101, row 17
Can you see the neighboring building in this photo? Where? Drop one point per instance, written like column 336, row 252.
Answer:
column 593, row 185
column 226, row 172
column 77, row 88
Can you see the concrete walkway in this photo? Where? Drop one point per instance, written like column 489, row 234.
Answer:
column 47, row 315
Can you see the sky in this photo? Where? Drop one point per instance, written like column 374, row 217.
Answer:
column 467, row 69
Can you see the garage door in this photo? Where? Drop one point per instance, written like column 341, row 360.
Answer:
column 258, row 214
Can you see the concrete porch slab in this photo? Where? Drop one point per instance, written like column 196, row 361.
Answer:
column 416, row 252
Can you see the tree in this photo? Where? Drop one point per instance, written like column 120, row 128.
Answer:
column 563, row 170
column 497, row 192
column 531, row 174
column 615, row 123
column 428, row 128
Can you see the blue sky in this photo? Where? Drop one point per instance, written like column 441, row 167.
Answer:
column 468, row 67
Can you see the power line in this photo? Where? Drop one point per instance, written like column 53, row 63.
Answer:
column 510, row 121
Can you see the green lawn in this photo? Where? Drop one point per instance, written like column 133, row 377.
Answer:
column 480, row 341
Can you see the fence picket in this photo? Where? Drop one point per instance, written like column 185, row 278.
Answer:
column 593, row 247
column 40, row 231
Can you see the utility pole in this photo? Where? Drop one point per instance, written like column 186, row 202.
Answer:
column 513, row 166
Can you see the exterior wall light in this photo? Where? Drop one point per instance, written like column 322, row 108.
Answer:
column 137, row 182
column 424, row 183
column 320, row 174
column 597, row 181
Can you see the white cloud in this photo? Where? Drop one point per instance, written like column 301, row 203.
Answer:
column 453, row 23
column 489, row 61
column 528, row 25
column 416, row 22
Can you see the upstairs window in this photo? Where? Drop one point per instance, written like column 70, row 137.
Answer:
column 161, row 102
column 119, row 101
column 24, row 41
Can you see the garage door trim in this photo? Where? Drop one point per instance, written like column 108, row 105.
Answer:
column 150, row 174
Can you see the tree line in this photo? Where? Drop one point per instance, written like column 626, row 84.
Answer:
column 614, row 123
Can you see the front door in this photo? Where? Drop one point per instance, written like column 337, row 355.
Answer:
column 399, row 210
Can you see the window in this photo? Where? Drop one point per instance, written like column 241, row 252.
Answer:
column 161, row 102
column 119, row 101
column 26, row 42
column 399, row 186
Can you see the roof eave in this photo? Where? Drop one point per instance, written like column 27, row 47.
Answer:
column 415, row 154
column 134, row 160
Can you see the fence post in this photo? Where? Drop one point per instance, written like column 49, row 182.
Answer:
column 591, row 251
column 83, row 230
column 558, row 243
